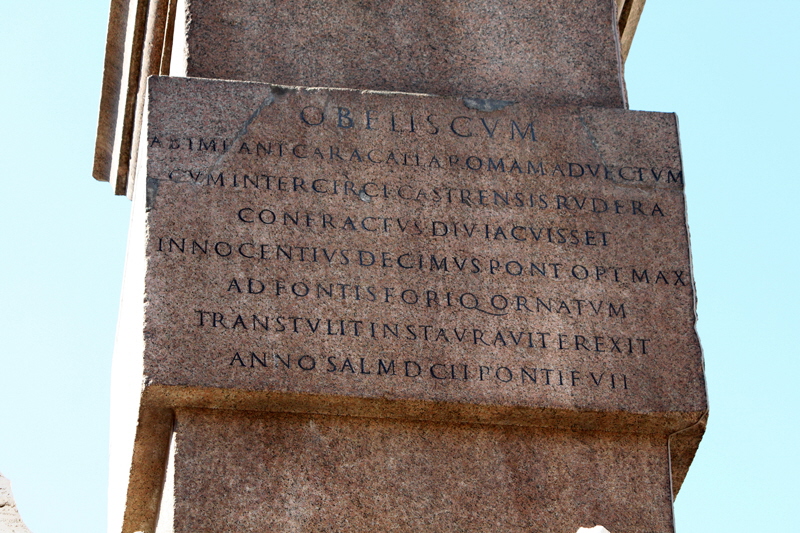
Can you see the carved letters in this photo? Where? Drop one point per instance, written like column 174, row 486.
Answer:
column 389, row 245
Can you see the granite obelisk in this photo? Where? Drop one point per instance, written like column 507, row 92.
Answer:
column 395, row 266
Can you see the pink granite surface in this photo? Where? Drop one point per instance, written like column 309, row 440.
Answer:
column 298, row 241
column 551, row 51
column 301, row 473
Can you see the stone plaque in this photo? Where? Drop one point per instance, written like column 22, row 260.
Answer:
column 339, row 244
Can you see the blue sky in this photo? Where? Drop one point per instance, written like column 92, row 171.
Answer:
column 729, row 68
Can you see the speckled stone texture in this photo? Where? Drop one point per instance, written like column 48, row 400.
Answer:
column 251, row 472
column 549, row 51
column 381, row 311
column 523, row 257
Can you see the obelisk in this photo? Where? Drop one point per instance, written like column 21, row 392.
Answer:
column 395, row 266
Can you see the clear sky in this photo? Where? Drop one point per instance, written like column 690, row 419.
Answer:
column 729, row 68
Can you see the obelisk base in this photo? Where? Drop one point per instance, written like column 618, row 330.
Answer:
column 248, row 471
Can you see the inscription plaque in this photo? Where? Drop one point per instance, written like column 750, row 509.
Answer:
column 388, row 246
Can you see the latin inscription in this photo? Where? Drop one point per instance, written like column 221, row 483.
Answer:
column 465, row 248
column 411, row 369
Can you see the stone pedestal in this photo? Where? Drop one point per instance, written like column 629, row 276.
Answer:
column 360, row 310
column 285, row 472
